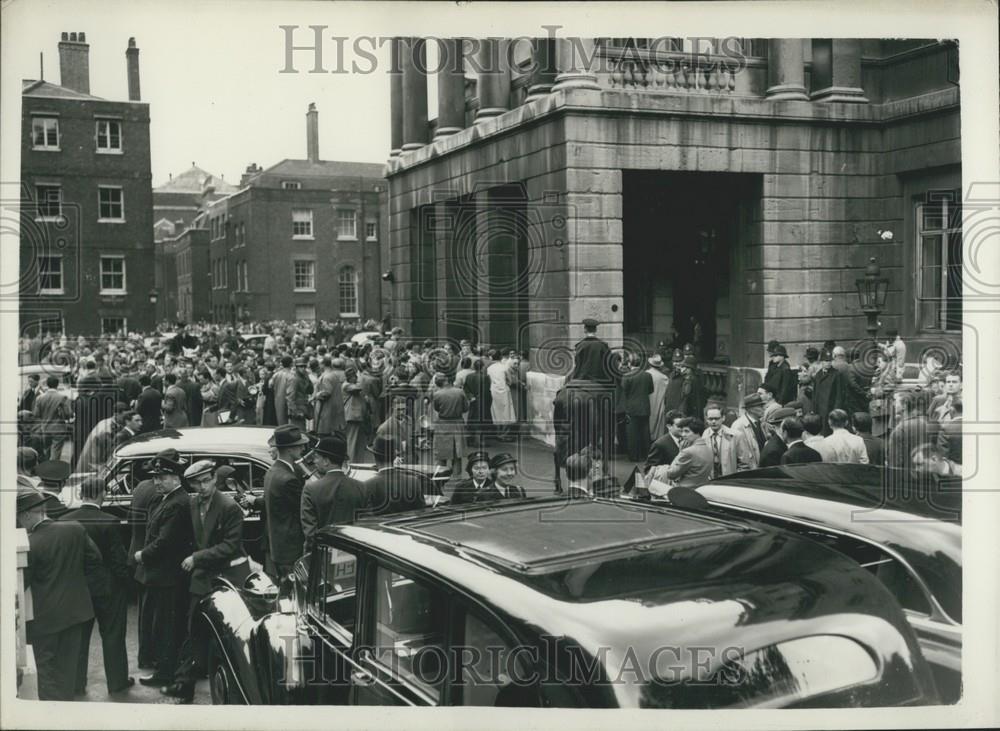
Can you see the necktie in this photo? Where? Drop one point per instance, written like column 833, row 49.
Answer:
column 716, row 460
column 758, row 434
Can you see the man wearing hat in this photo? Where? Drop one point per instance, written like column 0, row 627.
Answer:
column 61, row 561
column 657, row 399
column 504, row 468
column 829, row 389
column 168, row 542
column 479, row 486
column 775, row 446
column 330, row 416
column 298, row 388
column 283, row 500
column 217, row 525
column 692, row 393
column 52, row 476
column 109, row 591
column 783, row 382
column 27, row 463
column 279, row 384
column 748, row 433
column 334, row 498
column 592, row 358
column 394, row 489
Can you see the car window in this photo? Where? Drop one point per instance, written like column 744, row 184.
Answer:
column 490, row 667
column 410, row 622
column 121, row 480
column 332, row 596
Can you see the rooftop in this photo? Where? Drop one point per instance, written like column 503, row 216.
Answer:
column 325, row 168
column 46, row 89
column 195, row 180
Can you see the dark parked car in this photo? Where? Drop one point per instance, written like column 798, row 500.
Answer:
column 564, row 603
column 904, row 529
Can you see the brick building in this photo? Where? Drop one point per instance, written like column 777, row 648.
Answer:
column 86, row 225
column 743, row 183
column 300, row 240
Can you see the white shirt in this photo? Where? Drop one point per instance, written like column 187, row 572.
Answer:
column 842, row 446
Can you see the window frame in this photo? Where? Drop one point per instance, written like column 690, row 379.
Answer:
column 121, row 204
column 110, row 290
column 108, row 149
column 947, row 199
column 62, row 276
column 47, row 217
column 124, row 327
column 373, row 237
column 45, row 146
column 291, row 185
column 342, row 214
column 303, row 236
column 341, row 293
column 318, row 614
column 311, row 287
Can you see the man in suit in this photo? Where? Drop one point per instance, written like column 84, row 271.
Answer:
column 722, row 441
column 393, row 489
column 829, row 389
column 749, row 433
column 279, row 383
column 128, row 384
column 217, row 526
column 666, row 448
column 637, row 387
column 109, row 593
column 131, row 426
column 479, row 486
column 841, row 445
column 875, row 446
column 940, row 408
column 52, row 413
column 30, row 393
column 334, row 498
column 775, row 447
column 192, row 392
column 283, row 500
column 911, row 430
column 578, row 469
column 52, row 476
column 168, row 542
column 298, row 388
column 693, row 466
column 783, row 382
column 61, row 561
column 593, row 356
column 102, row 441
column 330, row 415
column 148, row 405
column 175, row 392
column 791, row 431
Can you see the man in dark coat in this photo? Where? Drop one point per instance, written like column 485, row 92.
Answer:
column 52, row 475
column 30, row 393
column 109, row 594
column 636, row 387
column 874, row 446
column 193, row 393
column 692, row 391
column 775, row 447
column 393, row 489
column 168, row 542
column 298, row 388
column 217, row 526
column 61, row 561
column 667, row 447
column 148, row 405
column 131, row 426
column 791, row 430
column 784, row 383
column 829, row 390
column 592, row 360
column 477, row 390
column 128, row 385
column 334, row 498
column 283, row 501
column 910, row 431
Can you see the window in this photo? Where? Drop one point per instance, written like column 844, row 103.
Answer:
column 302, row 224
column 111, row 203
column 305, row 313
column 44, row 133
column 109, row 135
column 485, row 680
column 333, row 595
column 291, row 185
column 410, row 619
column 939, row 261
column 348, row 292
column 50, row 275
column 113, row 326
column 246, row 277
column 347, row 225
column 304, row 273
column 371, row 231
column 112, row 275
column 49, row 199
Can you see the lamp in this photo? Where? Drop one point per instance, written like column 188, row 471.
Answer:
column 387, row 276
column 153, row 296
column 872, row 292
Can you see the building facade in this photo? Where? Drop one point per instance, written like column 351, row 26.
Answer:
column 730, row 190
column 86, row 225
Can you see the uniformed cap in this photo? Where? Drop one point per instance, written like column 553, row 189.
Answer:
column 826, row 354
column 780, row 415
column 678, row 356
column 779, row 350
column 199, row 469
column 477, row 457
column 501, row 459
column 690, row 361
column 590, row 323
column 752, row 400
column 54, row 470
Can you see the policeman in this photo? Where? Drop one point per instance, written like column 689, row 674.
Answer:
column 52, row 476
column 592, row 359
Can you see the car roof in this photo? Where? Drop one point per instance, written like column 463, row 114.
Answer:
column 249, row 440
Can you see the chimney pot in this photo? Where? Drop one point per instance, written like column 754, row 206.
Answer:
column 312, row 133
column 131, row 42
column 65, row 36
column 83, row 38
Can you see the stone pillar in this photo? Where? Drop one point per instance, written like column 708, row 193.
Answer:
column 494, row 79
column 575, row 62
column 839, row 61
column 451, row 87
column 414, row 64
column 785, row 70
column 544, row 52
column 396, row 98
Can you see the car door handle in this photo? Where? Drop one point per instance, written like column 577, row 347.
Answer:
column 362, row 678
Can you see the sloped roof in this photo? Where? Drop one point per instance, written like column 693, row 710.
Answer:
column 32, row 87
column 325, row 169
column 195, row 180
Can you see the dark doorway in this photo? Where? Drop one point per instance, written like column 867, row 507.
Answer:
column 683, row 239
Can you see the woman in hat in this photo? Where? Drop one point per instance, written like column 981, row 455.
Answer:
column 479, row 486
column 504, row 468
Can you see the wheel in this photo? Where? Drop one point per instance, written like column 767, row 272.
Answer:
column 220, row 682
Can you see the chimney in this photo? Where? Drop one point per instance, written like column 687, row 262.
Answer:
column 312, row 133
column 132, row 69
column 74, row 62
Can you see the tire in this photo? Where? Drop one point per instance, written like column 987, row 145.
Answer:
column 220, row 680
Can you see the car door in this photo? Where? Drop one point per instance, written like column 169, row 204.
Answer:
column 402, row 660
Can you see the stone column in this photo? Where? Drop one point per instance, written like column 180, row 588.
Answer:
column 843, row 69
column 396, row 98
column 785, row 70
column 575, row 62
column 451, row 88
column 544, row 52
column 494, row 79
column 414, row 64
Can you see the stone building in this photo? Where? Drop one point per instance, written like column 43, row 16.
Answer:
column 740, row 184
column 86, row 216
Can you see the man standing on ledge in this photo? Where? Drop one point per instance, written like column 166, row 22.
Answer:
column 593, row 356
column 590, row 391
